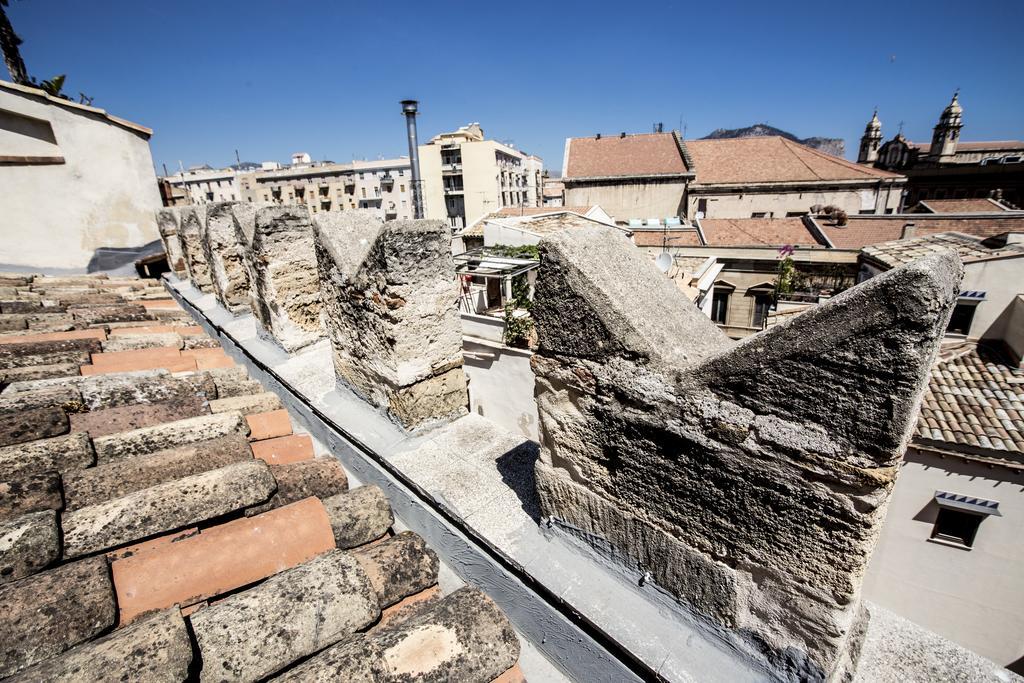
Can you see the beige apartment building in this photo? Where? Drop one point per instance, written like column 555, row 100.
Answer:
column 205, row 185
column 383, row 185
column 466, row 176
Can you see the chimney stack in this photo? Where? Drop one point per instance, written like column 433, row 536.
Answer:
column 409, row 108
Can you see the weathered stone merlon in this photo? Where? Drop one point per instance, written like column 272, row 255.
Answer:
column 224, row 253
column 390, row 306
column 750, row 479
column 190, row 235
column 167, row 222
column 286, row 293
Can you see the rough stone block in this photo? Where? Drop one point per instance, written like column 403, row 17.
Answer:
column 390, row 307
column 399, row 567
column 54, row 336
column 99, row 484
column 233, row 381
column 464, row 637
column 253, row 634
column 286, row 292
column 125, row 418
column 253, row 403
column 13, row 322
column 19, row 426
column 167, row 222
column 143, row 341
column 221, row 558
column 322, row 477
column 170, row 505
column 750, row 479
column 284, row 449
column 98, row 315
column 224, row 253
column 35, row 372
column 47, row 613
column 149, row 440
column 190, row 235
column 359, row 516
column 144, row 387
column 59, row 454
column 30, row 493
column 28, row 544
column 49, row 352
column 156, row 649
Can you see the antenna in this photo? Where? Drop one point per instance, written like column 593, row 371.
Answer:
column 238, row 161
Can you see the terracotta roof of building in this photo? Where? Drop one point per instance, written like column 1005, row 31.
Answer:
column 975, row 399
column 757, row 232
column 771, row 159
column 861, row 231
column 676, row 237
column 969, row 248
column 159, row 513
column 646, row 154
column 514, row 211
column 978, row 205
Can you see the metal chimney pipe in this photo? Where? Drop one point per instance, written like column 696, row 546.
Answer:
column 409, row 108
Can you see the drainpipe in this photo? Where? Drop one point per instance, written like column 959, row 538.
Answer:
column 409, row 108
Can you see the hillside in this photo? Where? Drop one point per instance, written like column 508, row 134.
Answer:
column 834, row 146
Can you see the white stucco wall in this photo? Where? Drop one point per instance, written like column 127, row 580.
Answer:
column 973, row 597
column 104, row 194
column 779, row 201
column 1002, row 280
column 631, row 199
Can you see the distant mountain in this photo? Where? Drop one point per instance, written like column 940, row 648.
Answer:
column 834, row 146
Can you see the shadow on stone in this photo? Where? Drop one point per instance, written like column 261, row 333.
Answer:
column 517, row 471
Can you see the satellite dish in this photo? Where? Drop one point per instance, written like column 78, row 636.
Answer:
column 664, row 261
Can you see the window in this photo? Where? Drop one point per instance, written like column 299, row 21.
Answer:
column 956, row 527
column 795, row 214
column 360, row 176
column 761, row 214
column 401, row 172
column 963, row 316
column 363, row 190
column 702, row 207
column 720, row 306
column 401, row 188
column 762, row 305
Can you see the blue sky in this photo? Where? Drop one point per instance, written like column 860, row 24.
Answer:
column 271, row 78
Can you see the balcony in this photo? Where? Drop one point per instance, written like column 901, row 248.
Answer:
column 454, row 190
column 452, row 168
column 387, row 181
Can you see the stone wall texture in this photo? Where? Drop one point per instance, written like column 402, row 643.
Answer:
column 190, row 236
column 390, row 298
column 224, row 254
column 286, row 291
column 750, row 479
column 167, row 221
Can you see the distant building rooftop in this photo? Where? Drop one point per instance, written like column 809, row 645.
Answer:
column 771, row 159
column 744, row 232
column 970, row 249
column 624, row 156
column 974, row 399
column 861, row 231
column 961, row 206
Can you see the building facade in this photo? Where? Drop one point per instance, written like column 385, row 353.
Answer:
column 205, row 185
column 383, row 186
column 660, row 175
column 948, row 167
column 74, row 180
column 466, row 176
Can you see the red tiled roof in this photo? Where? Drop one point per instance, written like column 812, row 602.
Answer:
column 771, row 159
column 861, row 231
column 747, row 232
column 676, row 238
column 982, row 205
column 974, row 399
column 512, row 211
column 645, row 154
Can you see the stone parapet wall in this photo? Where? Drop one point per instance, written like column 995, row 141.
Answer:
column 389, row 294
column 750, row 480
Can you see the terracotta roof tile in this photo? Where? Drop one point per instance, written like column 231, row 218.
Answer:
column 969, row 248
column 176, row 507
column 678, row 237
column 975, row 398
column 860, row 231
column 746, row 232
column 978, row 205
column 771, row 159
column 645, row 154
